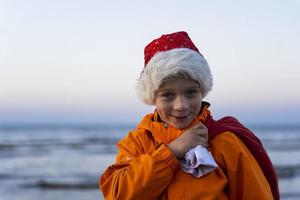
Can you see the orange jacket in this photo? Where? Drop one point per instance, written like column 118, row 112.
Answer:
column 145, row 168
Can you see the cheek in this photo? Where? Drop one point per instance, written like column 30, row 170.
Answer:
column 162, row 109
column 196, row 104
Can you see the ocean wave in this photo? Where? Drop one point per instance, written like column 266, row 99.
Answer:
column 77, row 181
column 44, row 184
column 7, row 146
column 287, row 171
column 281, row 144
column 57, row 142
column 6, row 176
column 290, row 196
column 45, row 145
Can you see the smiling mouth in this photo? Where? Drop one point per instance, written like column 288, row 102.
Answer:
column 180, row 117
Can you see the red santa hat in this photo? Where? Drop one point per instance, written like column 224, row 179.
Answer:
column 169, row 55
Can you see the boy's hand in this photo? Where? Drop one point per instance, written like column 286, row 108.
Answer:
column 192, row 137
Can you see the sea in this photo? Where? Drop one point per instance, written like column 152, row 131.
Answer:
column 64, row 161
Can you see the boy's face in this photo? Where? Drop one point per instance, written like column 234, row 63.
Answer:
column 178, row 102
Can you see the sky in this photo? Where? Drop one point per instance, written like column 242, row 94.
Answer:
column 78, row 61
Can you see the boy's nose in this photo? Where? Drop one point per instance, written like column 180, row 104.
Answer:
column 180, row 103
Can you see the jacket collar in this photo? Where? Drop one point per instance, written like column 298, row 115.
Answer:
column 164, row 133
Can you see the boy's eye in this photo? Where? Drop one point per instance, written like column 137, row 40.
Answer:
column 192, row 93
column 167, row 96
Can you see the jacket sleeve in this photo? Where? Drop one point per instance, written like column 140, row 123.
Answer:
column 136, row 174
column 246, row 180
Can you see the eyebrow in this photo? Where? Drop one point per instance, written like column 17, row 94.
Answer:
column 164, row 90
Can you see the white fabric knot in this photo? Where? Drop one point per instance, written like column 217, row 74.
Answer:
column 198, row 161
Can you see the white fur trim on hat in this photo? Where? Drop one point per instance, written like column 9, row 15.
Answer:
column 166, row 63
